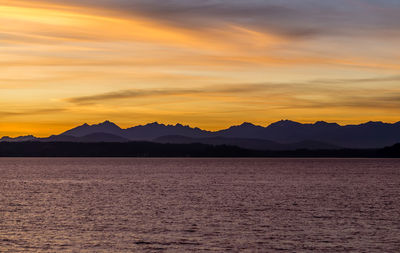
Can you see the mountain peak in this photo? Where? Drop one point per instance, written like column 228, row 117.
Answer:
column 181, row 126
column 85, row 129
column 374, row 123
column 83, row 126
column 244, row 125
column 247, row 124
column 155, row 123
column 324, row 123
column 285, row 123
column 107, row 123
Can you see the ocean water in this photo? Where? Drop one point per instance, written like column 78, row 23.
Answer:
column 201, row 205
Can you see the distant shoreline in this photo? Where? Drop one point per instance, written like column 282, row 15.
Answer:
column 158, row 150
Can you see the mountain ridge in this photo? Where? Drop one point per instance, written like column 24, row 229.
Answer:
column 372, row 134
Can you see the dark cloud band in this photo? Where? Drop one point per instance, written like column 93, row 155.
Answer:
column 286, row 17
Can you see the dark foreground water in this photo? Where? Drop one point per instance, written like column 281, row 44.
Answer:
column 183, row 205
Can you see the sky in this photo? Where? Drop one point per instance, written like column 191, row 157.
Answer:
column 208, row 63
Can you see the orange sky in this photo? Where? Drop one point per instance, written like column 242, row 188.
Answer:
column 134, row 63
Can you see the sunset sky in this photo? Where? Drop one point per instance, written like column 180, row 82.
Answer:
column 205, row 63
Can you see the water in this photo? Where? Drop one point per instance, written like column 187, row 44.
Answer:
column 214, row 205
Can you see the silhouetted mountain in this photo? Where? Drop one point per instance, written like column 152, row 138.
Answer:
column 255, row 144
column 90, row 138
column 298, row 136
column 245, row 130
column 368, row 135
column 95, row 137
column 18, row 139
column 102, row 137
column 106, row 127
column 145, row 132
column 155, row 130
column 59, row 138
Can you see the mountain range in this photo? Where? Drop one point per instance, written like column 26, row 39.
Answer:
column 281, row 135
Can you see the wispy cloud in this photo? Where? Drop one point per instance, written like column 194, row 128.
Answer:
column 383, row 101
column 323, row 93
column 141, row 93
column 384, row 79
column 124, row 94
column 31, row 112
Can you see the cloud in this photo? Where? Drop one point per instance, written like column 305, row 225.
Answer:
column 357, row 80
column 140, row 93
column 323, row 93
column 124, row 94
column 384, row 101
column 31, row 112
column 290, row 18
column 197, row 33
column 80, row 49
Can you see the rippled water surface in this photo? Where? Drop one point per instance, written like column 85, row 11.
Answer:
column 181, row 205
